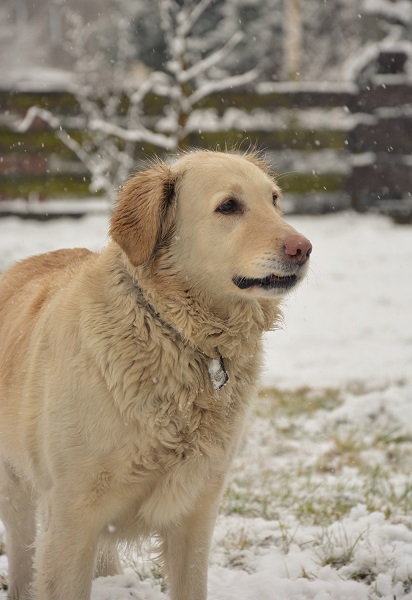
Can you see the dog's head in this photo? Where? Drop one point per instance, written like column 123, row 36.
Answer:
column 217, row 218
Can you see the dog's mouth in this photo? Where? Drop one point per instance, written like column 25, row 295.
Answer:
column 271, row 282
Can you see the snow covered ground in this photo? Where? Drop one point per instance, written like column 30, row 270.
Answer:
column 319, row 503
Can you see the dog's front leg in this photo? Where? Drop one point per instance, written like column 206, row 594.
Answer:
column 66, row 548
column 17, row 513
column 186, row 549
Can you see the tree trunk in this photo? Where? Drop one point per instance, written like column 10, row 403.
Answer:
column 292, row 38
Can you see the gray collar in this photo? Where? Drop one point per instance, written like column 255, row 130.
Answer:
column 217, row 372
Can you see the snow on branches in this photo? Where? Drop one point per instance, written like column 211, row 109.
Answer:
column 112, row 117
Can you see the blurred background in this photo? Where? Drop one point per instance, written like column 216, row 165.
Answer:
column 89, row 90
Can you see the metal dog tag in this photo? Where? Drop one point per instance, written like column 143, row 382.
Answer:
column 217, row 373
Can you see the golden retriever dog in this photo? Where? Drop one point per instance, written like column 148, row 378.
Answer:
column 125, row 376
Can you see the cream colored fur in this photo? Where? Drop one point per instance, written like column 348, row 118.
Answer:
column 110, row 428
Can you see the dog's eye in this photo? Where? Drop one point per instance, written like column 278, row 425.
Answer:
column 229, row 207
column 275, row 199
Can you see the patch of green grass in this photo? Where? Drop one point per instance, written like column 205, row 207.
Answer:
column 381, row 494
column 336, row 549
column 303, row 401
column 345, row 450
column 301, row 461
column 361, row 388
column 250, row 497
column 304, row 496
column 323, row 509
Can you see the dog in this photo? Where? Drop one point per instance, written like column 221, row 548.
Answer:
column 126, row 375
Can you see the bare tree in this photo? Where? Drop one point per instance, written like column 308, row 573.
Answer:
column 191, row 77
column 112, row 112
column 331, row 34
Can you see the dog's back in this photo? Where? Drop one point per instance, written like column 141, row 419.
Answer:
column 24, row 290
column 28, row 284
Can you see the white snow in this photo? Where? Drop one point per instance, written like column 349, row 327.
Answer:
column 400, row 10
column 34, row 78
column 319, row 504
column 263, row 120
column 351, row 319
column 268, row 87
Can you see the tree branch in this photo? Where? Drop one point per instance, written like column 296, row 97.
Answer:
column 213, row 59
column 219, row 86
column 35, row 112
column 186, row 25
column 133, row 135
column 128, row 135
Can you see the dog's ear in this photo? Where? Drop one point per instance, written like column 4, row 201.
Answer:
column 142, row 202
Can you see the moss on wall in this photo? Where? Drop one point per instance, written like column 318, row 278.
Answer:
column 45, row 186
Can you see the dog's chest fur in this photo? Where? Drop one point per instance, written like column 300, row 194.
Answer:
column 176, row 432
column 190, row 433
column 162, row 386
